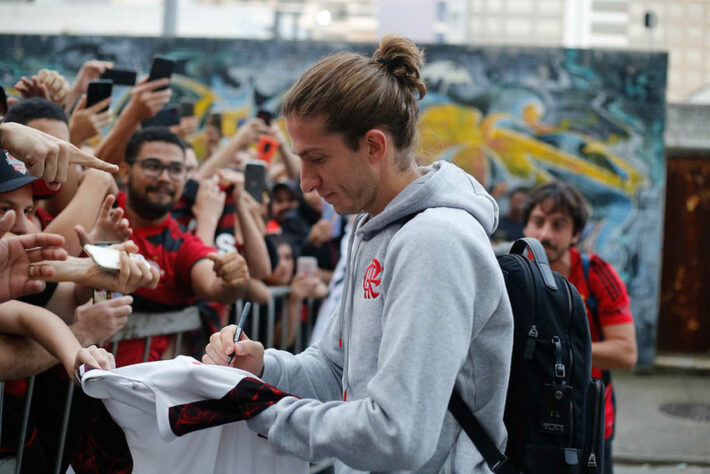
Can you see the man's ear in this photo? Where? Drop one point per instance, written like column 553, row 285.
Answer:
column 124, row 169
column 376, row 142
column 575, row 238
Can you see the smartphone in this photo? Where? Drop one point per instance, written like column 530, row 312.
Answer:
column 104, row 257
column 3, row 102
column 187, row 108
column 306, row 266
column 103, row 295
column 189, row 190
column 167, row 116
column 120, row 77
column 98, row 91
column 107, row 258
column 266, row 148
column 255, row 180
column 162, row 67
column 265, row 115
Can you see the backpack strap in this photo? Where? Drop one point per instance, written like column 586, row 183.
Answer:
column 593, row 305
column 541, row 261
column 592, row 302
column 496, row 460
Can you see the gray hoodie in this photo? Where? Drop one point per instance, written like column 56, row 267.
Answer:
column 424, row 307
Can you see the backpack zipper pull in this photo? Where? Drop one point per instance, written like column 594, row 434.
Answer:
column 592, row 460
column 530, row 344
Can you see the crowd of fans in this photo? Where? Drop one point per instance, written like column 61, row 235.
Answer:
column 72, row 175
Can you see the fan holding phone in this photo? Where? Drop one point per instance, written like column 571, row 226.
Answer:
column 92, row 112
column 118, row 268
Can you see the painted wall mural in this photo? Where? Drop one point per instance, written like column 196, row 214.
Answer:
column 515, row 115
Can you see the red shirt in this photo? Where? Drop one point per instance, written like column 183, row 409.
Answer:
column 612, row 308
column 174, row 252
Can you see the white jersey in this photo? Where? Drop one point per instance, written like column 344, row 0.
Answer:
column 179, row 417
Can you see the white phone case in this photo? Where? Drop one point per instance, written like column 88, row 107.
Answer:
column 105, row 258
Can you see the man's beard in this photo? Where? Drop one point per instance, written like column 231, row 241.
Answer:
column 146, row 208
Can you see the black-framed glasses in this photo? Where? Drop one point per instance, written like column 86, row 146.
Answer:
column 153, row 168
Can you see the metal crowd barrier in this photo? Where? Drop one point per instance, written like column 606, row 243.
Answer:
column 148, row 325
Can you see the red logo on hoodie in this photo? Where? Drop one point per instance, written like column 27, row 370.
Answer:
column 372, row 280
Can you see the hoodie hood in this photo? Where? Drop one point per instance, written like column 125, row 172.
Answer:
column 442, row 184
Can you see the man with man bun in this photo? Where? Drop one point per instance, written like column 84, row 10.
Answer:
column 424, row 305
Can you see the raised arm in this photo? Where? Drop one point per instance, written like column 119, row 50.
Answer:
column 223, row 157
column 247, row 229
column 46, row 157
column 83, row 209
column 223, row 278
column 50, row 331
column 145, row 102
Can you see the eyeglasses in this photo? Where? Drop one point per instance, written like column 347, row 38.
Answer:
column 153, row 168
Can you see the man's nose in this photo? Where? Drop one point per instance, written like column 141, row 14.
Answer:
column 545, row 232
column 309, row 178
column 21, row 225
column 164, row 175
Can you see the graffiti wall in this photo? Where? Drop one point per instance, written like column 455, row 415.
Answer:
column 518, row 116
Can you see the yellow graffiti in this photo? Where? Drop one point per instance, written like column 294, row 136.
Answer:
column 462, row 135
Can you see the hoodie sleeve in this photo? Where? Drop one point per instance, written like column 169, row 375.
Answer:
column 316, row 372
column 432, row 287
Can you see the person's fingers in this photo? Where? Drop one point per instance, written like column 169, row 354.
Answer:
column 106, row 206
column 98, row 106
column 62, row 172
column 104, row 359
column 117, row 213
column 37, row 166
column 40, row 260
column 127, row 246
column 155, row 278
column 124, row 272
column 121, row 313
column 217, row 260
column 79, row 157
column 6, row 222
column 157, row 83
column 208, row 360
column 136, row 276
column 44, row 91
column 230, row 269
column 81, row 104
column 215, row 352
column 84, row 356
column 50, row 167
column 226, row 339
column 33, row 286
column 111, row 361
column 82, row 234
column 120, row 302
column 43, row 239
column 146, row 272
column 246, row 348
column 103, row 119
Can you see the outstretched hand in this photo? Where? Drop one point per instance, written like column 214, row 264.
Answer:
column 47, row 157
column 110, row 225
column 16, row 255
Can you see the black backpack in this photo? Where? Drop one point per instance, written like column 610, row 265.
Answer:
column 554, row 412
